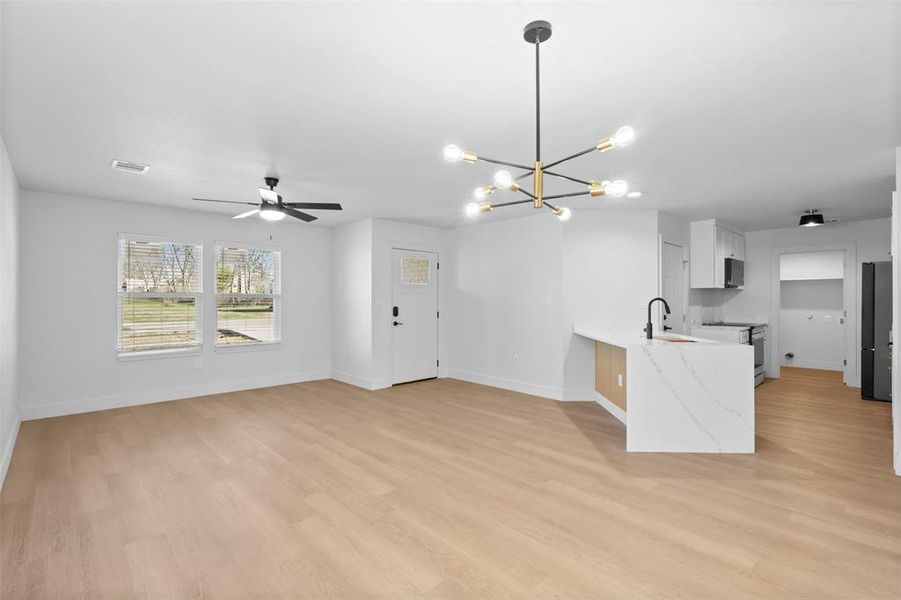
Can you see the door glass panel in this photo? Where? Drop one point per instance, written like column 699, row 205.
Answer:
column 414, row 271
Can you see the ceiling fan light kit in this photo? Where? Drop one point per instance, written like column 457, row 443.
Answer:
column 272, row 207
column 536, row 33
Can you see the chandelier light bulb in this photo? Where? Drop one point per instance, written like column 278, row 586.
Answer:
column 617, row 188
column 623, row 137
column 453, row 153
column 563, row 213
column 482, row 191
column 472, row 209
column 503, row 180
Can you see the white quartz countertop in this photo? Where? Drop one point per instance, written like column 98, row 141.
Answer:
column 681, row 396
column 630, row 335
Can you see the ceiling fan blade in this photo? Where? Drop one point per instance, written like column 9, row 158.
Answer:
column 268, row 195
column 247, row 214
column 314, row 205
column 298, row 215
column 223, row 201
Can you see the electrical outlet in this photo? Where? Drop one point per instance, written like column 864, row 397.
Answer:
column 198, row 363
column 619, row 380
column 516, row 359
column 828, row 318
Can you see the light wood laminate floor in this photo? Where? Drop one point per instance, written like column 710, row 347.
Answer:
column 445, row 489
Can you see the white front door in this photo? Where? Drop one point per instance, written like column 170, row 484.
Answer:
column 674, row 287
column 414, row 316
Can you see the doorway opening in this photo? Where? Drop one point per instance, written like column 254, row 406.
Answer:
column 673, row 287
column 813, row 310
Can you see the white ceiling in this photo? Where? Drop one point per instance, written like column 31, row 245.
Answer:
column 750, row 112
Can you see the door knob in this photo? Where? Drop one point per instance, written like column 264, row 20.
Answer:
column 667, row 328
column 396, row 323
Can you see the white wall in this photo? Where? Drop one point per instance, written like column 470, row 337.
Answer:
column 610, row 272
column 896, row 312
column 68, row 361
column 9, row 290
column 519, row 284
column 810, row 324
column 674, row 229
column 352, row 309
column 506, row 285
column 870, row 238
column 829, row 264
column 896, row 294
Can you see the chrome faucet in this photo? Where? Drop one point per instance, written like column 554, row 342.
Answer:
column 649, row 327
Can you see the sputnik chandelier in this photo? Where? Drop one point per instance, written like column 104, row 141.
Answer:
column 537, row 32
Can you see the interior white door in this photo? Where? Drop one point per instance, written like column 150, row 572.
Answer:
column 414, row 318
column 673, row 291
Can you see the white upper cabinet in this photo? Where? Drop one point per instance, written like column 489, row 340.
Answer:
column 711, row 245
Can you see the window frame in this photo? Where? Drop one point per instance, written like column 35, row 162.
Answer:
column 276, row 298
column 197, row 296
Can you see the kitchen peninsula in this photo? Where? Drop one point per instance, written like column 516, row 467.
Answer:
column 674, row 393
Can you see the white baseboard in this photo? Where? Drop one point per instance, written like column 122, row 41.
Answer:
column 610, row 407
column 534, row 389
column 825, row 365
column 8, row 449
column 576, row 395
column 570, row 395
column 380, row 383
column 367, row 383
column 43, row 411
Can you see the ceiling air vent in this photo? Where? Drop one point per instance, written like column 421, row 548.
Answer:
column 129, row 167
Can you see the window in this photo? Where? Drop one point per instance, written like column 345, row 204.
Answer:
column 159, row 295
column 248, row 296
column 414, row 271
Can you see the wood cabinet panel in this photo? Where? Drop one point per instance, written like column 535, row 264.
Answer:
column 609, row 371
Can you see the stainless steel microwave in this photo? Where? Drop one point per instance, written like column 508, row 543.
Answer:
column 735, row 273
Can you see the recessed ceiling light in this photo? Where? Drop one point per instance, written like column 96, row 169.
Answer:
column 129, row 167
column 633, row 195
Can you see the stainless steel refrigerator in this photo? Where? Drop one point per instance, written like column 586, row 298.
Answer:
column 876, row 332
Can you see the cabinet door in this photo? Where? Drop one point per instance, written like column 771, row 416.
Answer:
column 610, row 373
column 740, row 246
column 721, row 251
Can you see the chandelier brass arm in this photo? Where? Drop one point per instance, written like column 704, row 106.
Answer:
column 535, row 33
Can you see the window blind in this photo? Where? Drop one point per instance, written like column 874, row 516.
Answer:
column 248, row 295
column 159, row 287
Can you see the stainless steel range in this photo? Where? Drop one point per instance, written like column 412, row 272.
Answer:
column 753, row 334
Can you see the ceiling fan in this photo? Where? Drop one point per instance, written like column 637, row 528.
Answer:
column 272, row 208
